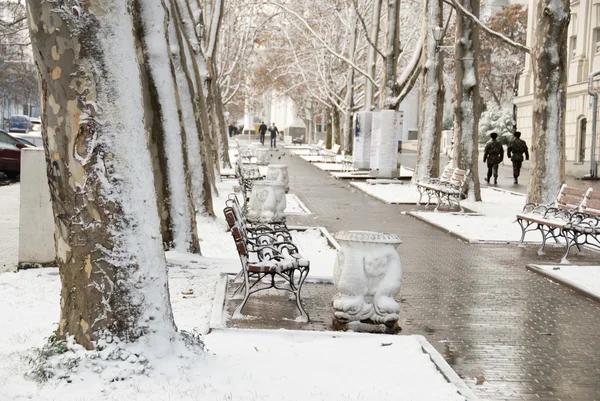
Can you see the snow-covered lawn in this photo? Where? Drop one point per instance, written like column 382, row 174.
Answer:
column 397, row 193
column 494, row 220
column 240, row 364
column 362, row 174
column 583, row 278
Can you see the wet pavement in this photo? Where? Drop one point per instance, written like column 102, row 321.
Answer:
column 524, row 336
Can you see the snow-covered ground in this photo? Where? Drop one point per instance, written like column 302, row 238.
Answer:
column 491, row 220
column 397, row 193
column 364, row 174
column 583, row 278
column 240, row 364
column 494, row 220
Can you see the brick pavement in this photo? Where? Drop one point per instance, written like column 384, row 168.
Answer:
column 530, row 338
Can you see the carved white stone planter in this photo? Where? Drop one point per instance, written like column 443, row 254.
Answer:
column 367, row 275
column 263, row 156
column 267, row 202
column 253, row 148
column 279, row 173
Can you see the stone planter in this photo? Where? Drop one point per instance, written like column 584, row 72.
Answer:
column 263, row 156
column 367, row 275
column 279, row 173
column 267, row 202
column 253, row 148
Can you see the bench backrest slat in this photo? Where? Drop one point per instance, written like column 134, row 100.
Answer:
column 570, row 198
column 459, row 177
column 335, row 148
column 447, row 173
column 591, row 203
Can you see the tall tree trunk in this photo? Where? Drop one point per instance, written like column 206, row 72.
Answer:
column 194, row 81
column 432, row 97
column 347, row 132
column 372, row 55
column 219, row 109
column 549, row 57
column 335, row 125
column 328, row 129
column 468, row 102
column 109, row 251
column 392, row 47
column 151, row 24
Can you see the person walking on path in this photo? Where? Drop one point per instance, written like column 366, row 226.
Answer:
column 232, row 130
column 274, row 131
column 515, row 151
column 493, row 154
column 262, row 130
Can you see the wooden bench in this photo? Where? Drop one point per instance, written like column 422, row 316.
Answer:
column 551, row 219
column 447, row 190
column 247, row 175
column 266, row 252
column 429, row 187
column 316, row 149
column 330, row 154
column 583, row 227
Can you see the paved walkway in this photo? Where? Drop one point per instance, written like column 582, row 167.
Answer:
column 529, row 338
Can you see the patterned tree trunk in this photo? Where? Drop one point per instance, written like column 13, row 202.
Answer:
column 108, row 241
column 549, row 56
column 432, row 97
column 468, row 102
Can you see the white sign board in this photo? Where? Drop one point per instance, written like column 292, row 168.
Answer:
column 361, row 149
column 385, row 137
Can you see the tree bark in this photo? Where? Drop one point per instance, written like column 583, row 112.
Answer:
column 109, row 251
column 335, row 125
column 328, row 128
column 468, row 102
column 151, row 22
column 549, row 57
column 388, row 92
column 194, row 84
column 347, row 130
column 432, row 97
column 372, row 55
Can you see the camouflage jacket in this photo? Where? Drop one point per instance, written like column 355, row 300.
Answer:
column 515, row 150
column 494, row 152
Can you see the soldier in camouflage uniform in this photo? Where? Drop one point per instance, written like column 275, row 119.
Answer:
column 515, row 151
column 493, row 154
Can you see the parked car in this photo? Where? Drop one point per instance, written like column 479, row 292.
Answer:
column 35, row 126
column 10, row 154
column 18, row 123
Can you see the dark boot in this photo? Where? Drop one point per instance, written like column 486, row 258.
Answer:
column 487, row 179
column 495, row 180
column 516, row 180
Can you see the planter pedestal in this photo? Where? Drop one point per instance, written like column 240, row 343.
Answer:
column 267, row 202
column 279, row 173
column 263, row 156
column 367, row 275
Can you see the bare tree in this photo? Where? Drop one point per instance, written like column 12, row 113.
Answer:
column 549, row 56
column 468, row 102
column 108, row 242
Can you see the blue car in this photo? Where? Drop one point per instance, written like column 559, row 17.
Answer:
column 18, row 123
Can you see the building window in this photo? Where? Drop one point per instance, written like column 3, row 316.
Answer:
column 597, row 40
column 573, row 46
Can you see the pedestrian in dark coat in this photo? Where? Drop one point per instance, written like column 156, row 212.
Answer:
column 493, row 154
column 516, row 148
column 262, row 130
column 232, row 130
column 274, row 131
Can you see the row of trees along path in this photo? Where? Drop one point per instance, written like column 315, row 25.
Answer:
column 115, row 77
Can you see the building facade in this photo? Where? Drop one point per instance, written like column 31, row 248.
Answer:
column 584, row 58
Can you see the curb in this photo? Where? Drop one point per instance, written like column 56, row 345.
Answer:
column 381, row 199
column 564, row 281
column 445, row 369
column 302, row 206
